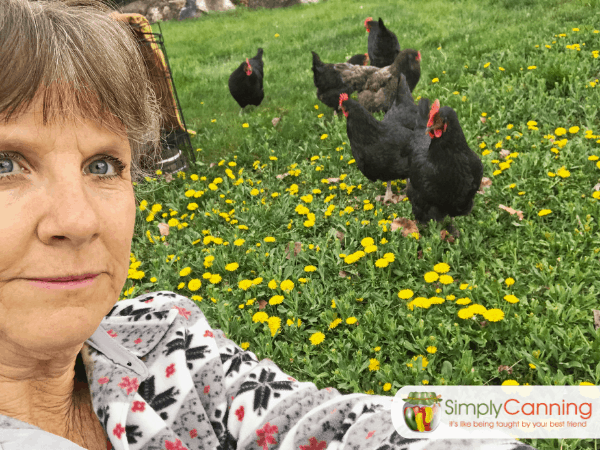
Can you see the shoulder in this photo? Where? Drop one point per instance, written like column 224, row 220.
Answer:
column 156, row 304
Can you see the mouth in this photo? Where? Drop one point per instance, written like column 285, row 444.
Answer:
column 85, row 276
column 69, row 282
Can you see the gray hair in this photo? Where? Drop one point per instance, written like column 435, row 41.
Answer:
column 86, row 64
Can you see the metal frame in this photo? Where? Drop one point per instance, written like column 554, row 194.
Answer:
column 177, row 138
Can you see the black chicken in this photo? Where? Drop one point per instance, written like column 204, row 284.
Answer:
column 404, row 111
column 383, row 44
column 382, row 149
column 329, row 83
column 359, row 60
column 444, row 176
column 246, row 82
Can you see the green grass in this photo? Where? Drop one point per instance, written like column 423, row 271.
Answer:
column 554, row 259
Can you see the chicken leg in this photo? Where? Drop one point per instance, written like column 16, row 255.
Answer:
column 388, row 193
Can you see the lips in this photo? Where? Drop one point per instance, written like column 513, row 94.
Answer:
column 67, row 279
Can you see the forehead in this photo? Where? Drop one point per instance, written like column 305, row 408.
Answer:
column 27, row 129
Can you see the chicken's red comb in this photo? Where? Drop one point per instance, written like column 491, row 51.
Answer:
column 368, row 19
column 418, row 56
column 343, row 98
column 434, row 110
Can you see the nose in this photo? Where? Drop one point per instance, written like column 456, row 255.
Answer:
column 69, row 210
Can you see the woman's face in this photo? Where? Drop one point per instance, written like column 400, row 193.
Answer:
column 60, row 215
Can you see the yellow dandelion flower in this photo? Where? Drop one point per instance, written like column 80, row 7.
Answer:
column 323, row 137
column 276, row 300
column 245, row 125
column 335, row 323
column 431, row 349
column 215, row 279
column 574, row 129
column 430, row 277
column 446, row 279
column 194, row 284
column 317, row 338
column 387, row 386
column 493, row 315
column 351, row 320
column 477, row 309
column 465, row 313
column 260, row 316
column 441, row 267
column 405, row 294
column 463, row 301
column 382, row 262
column 310, row 268
column 286, row 285
column 373, row 364
column 245, row 284
column 511, row 298
column 366, row 242
column 509, row 281
column 185, row 271
column 544, row 212
column 232, row 266
column 560, row 131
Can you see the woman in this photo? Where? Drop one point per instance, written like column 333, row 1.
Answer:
column 78, row 114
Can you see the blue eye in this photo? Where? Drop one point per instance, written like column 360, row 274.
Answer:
column 98, row 167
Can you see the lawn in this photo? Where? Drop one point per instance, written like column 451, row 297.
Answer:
column 281, row 241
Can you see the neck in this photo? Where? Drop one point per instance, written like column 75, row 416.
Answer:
column 39, row 392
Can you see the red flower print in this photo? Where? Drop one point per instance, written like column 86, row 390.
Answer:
column 150, row 300
column 240, row 413
column 193, row 433
column 265, row 435
column 119, row 430
column 182, row 311
column 112, row 333
column 129, row 384
column 371, row 433
column 177, row 445
column 206, row 389
column 208, row 333
column 137, row 341
column 333, row 411
column 138, row 406
column 103, row 380
column 291, row 379
column 314, row 445
column 170, row 370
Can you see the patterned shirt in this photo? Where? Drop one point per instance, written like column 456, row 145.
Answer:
column 162, row 379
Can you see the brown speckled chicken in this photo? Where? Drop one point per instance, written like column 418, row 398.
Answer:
column 377, row 87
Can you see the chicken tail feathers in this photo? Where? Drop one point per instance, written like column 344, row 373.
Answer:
column 259, row 54
column 422, row 113
column 316, row 60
